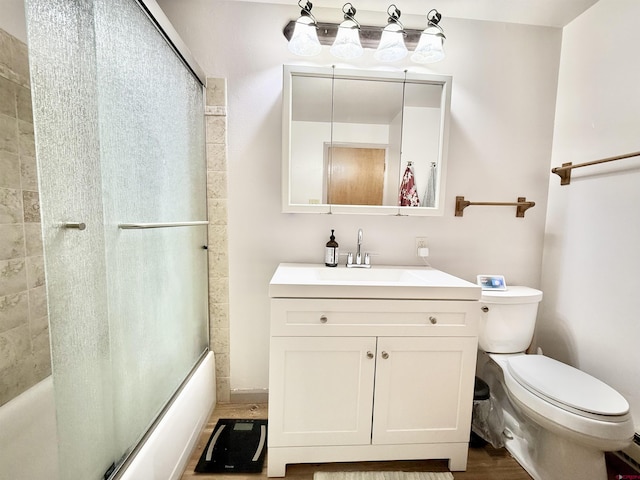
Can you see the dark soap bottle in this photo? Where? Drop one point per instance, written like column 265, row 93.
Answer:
column 331, row 252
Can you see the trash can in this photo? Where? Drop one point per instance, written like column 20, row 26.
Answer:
column 487, row 423
column 481, row 397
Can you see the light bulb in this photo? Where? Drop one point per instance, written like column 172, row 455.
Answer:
column 347, row 43
column 304, row 40
column 391, row 47
column 430, row 48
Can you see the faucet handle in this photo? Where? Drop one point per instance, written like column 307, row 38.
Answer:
column 349, row 258
column 367, row 259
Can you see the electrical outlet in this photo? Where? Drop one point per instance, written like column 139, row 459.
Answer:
column 421, row 242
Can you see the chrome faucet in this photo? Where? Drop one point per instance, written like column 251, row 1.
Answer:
column 359, row 260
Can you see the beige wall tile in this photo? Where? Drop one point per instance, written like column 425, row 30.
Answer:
column 26, row 141
column 25, row 356
column 5, row 51
column 217, row 184
column 33, row 238
column 15, row 344
column 20, row 61
column 35, row 272
column 28, row 173
column 218, row 240
column 39, row 327
column 216, row 157
column 220, row 342
column 8, row 98
column 217, row 208
column 218, row 265
column 223, row 389
column 216, row 92
column 12, row 241
column 14, row 310
column 216, row 136
column 8, row 134
column 219, row 315
column 13, row 276
column 31, row 205
column 11, row 206
column 216, row 129
column 219, row 290
column 9, row 170
column 38, row 302
column 222, row 365
column 23, row 104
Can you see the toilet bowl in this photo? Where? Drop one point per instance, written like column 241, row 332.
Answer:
column 559, row 421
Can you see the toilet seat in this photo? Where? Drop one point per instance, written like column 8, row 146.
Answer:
column 568, row 388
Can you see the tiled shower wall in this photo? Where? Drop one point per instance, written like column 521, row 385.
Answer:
column 216, row 143
column 24, row 332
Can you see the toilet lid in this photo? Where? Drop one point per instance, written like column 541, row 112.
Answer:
column 566, row 387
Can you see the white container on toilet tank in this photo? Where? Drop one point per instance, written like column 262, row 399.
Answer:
column 508, row 319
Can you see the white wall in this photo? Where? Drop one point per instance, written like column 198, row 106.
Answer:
column 503, row 100
column 591, row 272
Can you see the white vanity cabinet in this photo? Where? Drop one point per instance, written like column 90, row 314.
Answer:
column 370, row 379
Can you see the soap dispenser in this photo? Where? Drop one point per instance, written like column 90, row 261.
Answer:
column 331, row 252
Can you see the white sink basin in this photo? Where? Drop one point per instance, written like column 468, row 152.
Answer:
column 317, row 281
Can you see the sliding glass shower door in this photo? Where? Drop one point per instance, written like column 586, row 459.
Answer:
column 120, row 143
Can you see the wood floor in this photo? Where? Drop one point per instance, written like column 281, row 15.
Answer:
column 483, row 463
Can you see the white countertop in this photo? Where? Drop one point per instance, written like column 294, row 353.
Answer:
column 304, row 280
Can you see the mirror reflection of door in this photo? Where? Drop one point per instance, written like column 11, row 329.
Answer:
column 355, row 175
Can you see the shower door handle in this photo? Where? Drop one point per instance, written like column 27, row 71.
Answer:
column 75, row 225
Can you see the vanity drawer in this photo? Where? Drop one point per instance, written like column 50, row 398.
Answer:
column 322, row 317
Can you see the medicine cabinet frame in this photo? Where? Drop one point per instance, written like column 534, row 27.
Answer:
column 293, row 73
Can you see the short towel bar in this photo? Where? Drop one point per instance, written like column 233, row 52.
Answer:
column 522, row 205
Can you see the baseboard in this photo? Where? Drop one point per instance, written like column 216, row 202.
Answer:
column 249, row 396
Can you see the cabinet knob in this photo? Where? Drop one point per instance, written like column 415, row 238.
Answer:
column 369, row 354
column 433, row 320
column 385, row 355
column 323, row 319
column 484, row 308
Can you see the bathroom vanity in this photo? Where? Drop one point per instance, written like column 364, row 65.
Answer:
column 372, row 364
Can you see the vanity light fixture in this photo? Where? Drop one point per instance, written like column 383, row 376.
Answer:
column 391, row 47
column 304, row 40
column 347, row 44
column 347, row 39
column 430, row 49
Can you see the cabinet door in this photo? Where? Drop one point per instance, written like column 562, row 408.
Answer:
column 321, row 390
column 423, row 389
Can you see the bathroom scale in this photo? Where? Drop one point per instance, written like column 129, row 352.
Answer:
column 235, row 446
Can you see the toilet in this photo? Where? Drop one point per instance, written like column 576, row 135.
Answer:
column 558, row 420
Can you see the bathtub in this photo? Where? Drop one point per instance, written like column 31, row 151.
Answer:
column 28, row 447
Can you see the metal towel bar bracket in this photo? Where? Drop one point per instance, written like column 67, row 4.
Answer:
column 521, row 205
column 564, row 172
column 140, row 226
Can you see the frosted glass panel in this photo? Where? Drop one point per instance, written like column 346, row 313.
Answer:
column 120, row 139
column 64, row 91
column 153, row 170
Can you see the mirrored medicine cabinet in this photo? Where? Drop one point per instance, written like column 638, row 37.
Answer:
column 354, row 139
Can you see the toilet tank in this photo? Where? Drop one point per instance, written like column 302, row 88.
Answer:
column 508, row 319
